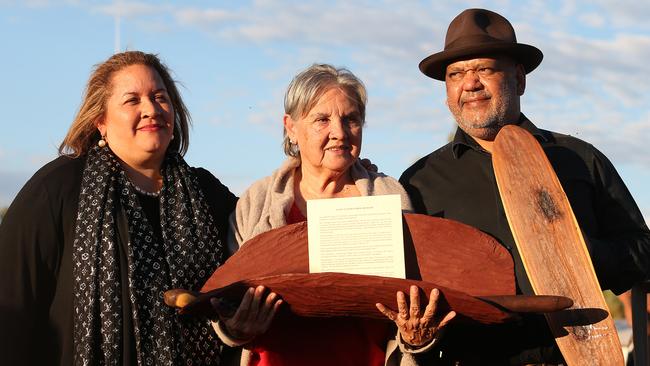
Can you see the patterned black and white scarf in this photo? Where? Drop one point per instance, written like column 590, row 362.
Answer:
column 184, row 257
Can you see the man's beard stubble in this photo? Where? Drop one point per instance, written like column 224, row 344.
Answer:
column 486, row 126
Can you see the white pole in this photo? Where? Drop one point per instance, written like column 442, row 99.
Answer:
column 117, row 27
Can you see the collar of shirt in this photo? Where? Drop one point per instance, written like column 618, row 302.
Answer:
column 462, row 141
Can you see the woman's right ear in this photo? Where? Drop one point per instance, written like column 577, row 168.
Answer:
column 101, row 127
column 289, row 126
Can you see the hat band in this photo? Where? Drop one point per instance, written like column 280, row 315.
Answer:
column 478, row 40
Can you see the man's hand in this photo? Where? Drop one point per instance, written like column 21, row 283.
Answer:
column 417, row 329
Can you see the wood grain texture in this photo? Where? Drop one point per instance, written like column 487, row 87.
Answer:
column 441, row 253
column 456, row 256
column 473, row 272
column 529, row 303
column 436, row 250
column 341, row 294
column 553, row 250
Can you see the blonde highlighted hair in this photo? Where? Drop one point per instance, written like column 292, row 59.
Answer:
column 83, row 133
column 310, row 85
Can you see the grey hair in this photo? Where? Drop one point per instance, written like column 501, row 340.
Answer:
column 310, row 85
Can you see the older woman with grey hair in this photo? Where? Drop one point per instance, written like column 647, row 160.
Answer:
column 323, row 125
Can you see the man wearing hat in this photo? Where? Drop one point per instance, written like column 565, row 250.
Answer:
column 484, row 70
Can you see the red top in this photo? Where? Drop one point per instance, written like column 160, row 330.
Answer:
column 298, row 341
column 294, row 215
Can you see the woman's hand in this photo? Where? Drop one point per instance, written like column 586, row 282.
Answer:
column 417, row 329
column 253, row 316
column 366, row 163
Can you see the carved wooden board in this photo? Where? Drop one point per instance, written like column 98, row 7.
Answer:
column 471, row 269
column 445, row 252
column 553, row 250
column 339, row 294
column 459, row 260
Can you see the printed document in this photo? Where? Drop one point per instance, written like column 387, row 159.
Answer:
column 358, row 235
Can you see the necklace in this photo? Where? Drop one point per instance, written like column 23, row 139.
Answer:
column 144, row 192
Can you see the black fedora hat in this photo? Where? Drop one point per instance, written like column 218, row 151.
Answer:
column 478, row 31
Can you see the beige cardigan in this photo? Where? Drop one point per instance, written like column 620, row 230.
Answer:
column 265, row 205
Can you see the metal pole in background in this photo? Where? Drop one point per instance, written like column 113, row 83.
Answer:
column 640, row 323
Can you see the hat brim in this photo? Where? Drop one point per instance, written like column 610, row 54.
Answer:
column 435, row 66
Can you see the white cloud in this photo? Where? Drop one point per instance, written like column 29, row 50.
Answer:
column 202, row 17
column 33, row 4
column 610, row 65
column 131, row 9
column 626, row 13
column 587, row 84
column 593, row 20
column 583, row 82
column 324, row 23
column 37, row 3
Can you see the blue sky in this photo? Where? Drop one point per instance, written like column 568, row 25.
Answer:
column 235, row 59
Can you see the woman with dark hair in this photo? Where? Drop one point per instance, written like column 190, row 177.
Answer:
column 94, row 238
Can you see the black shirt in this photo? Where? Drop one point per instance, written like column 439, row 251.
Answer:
column 36, row 241
column 457, row 182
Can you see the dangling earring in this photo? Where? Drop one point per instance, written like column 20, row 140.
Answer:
column 102, row 141
column 295, row 149
column 172, row 137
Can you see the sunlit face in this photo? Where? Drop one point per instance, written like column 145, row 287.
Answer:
column 483, row 94
column 139, row 120
column 329, row 136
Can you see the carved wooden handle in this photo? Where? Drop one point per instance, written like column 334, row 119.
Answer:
column 529, row 303
column 179, row 298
